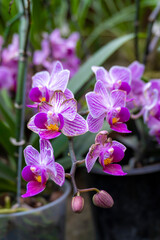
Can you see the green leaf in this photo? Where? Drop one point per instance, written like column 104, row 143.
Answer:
column 5, row 139
column 83, row 11
column 59, row 145
column 97, row 59
column 125, row 15
column 5, row 109
column 6, row 172
column 7, row 186
column 65, row 162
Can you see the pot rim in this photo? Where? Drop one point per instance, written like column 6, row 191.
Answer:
column 66, row 190
column 135, row 171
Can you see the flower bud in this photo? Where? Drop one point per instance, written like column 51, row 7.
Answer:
column 103, row 199
column 77, row 204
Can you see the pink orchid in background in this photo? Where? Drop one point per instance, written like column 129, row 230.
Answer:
column 60, row 115
column 109, row 153
column 154, row 127
column 117, row 77
column 44, row 84
column 40, row 167
column 150, row 101
column 6, row 80
column 9, row 64
column 137, row 85
column 54, row 48
column 11, row 53
column 110, row 105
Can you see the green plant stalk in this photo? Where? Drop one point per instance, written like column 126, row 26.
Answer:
column 136, row 25
column 24, row 7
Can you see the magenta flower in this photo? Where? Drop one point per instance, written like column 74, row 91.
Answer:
column 154, row 127
column 109, row 153
column 117, row 77
column 58, row 116
column 45, row 84
column 40, row 56
column 9, row 64
column 40, row 167
column 111, row 106
column 5, row 74
column 54, row 48
column 137, row 85
column 150, row 105
column 11, row 53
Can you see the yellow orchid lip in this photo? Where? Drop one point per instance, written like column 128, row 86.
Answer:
column 53, row 127
column 107, row 161
column 115, row 120
column 43, row 99
column 38, row 179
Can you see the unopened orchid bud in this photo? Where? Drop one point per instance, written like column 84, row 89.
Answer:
column 77, row 204
column 103, row 199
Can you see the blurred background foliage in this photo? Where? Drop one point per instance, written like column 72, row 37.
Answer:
column 104, row 27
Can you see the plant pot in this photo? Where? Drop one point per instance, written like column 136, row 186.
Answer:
column 46, row 222
column 136, row 211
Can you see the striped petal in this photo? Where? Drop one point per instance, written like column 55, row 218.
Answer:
column 96, row 104
column 60, row 177
column 95, row 124
column 68, row 109
column 31, row 156
column 76, row 127
column 40, row 79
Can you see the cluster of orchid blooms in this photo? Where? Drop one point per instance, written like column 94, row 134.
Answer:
column 9, row 63
column 115, row 93
column 53, row 48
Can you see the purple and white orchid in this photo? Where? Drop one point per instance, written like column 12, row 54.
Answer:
column 9, row 64
column 58, row 116
column 40, row 167
column 110, row 105
column 117, row 77
column 109, row 153
column 137, row 85
column 55, row 47
column 44, row 84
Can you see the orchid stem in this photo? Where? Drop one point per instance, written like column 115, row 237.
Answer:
column 24, row 7
column 88, row 190
column 74, row 165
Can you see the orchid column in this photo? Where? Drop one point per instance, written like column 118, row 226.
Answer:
column 24, row 7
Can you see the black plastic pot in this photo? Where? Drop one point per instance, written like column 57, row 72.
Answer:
column 136, row 211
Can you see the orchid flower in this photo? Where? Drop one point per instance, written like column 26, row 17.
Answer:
column 111, row 106
column 137, row 85
column 55, row 47
column 9, row 63
column 150, row 101
column 58, row 116
column 154, row 127
column 117, row 77
column 40, row 167
column 109, row 153
column 45, row 84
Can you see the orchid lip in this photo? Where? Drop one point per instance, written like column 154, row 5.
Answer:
column 108, row 161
